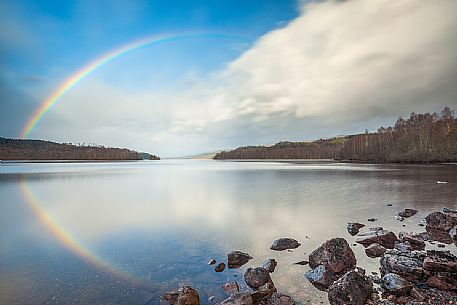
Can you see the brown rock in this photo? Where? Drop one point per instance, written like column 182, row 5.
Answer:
column 354, row 227
column 375, row 250
column 385, row 238
column 415, row 240
column 263, row 294
column 257, row 277
column 354, row 288
column 237, row 259
column 219, row 267
column 284, row 244
column 186, row 295
column 407, row 213
column 441, row 221
column 335, row 255
column 443, row 282
column 440, row 261
column 231, row 287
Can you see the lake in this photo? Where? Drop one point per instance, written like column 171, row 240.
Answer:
column 126, row 232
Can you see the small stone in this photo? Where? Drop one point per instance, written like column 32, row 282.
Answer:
column 212, row 262
column 237, row 259
column 441, row 245
column 212, row 298
column 302, row 263
column 354, row 227
column 372, row 219
column 186, row 295
column 389, row 204
column 270, row 265
column 285, row 244
column 407, row 213
column 219, row 267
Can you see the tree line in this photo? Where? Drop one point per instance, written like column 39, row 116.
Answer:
column 421, row 138
column 16, row 149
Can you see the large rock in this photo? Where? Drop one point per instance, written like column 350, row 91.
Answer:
column 321, row 278
column 385, row 238
column 440, row 261
column 353, row 288
column 186, row 295
column 441, row 221
column 354, row 227
column 237, row 259
column 270, row 265
column 407, row 213
column 375, row 250
column 240, row 298
column 257, row 277
column 415, row 240
column 335, row 255
column 284, row 244
column 396, row 284
column 407, row 264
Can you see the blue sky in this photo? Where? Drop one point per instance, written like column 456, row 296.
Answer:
column 294, row 70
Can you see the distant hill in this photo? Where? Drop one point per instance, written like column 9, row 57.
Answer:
column 203, row 156
column 17, row 149
column 422, row 138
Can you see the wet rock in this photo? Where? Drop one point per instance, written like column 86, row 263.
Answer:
column 285, row 244
column 441, row 245
column 354, row 227
column 403, row 247
column 280, row 299
column 212, row 298
column 440, row 261
column 263, row 294
column 453, row 234
column 407, row 213
column 396, row 284
column 375, row 279
column 354, row 288
column 389, row 204
column 399, row 218
column 375, row 229
column 270, row 265
column 448, row 210
column 443, row 282
column 441, row 221
column 257, row 277
column 320, row 277
column 302, row 263
column 212, row 262
column 372, row 219
column 186, row 295
column 240, row 298
column 415, row 240
column 219, row 267
column 237, row 259
column 375, row 250
column 231, row 287
column 407, row 264
column 385, row 238
column 335, row 255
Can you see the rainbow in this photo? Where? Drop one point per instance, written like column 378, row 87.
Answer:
column 79, row 75
column 73, row 244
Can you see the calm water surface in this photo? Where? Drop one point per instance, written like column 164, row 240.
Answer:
column 124, row 233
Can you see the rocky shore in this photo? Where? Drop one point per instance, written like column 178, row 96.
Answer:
column 408, row 274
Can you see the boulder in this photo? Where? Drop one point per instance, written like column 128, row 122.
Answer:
column 407, row 213
column 237, row 259
column 440, row 261
column 407, row 264
column 284, row 244
column 186, row 295
column 219, row 267
column 320, row 277
column 375, row 250
column 396, row 284
column 385, row 238
column 441, row 221
column 257, row 277
column 354, row 227
column 240, row 298
column 353, row 288
column 415, row 240
column 270, row 265
column 335, row 255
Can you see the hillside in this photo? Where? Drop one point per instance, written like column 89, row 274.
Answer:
column 421, row 138
column 16, row 149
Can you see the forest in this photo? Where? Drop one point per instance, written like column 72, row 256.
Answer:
column 421, row 138
column 16, row 149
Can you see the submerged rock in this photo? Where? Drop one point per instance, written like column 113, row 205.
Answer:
column 219, row 267
column 396, row 284
column 212, row 262
column 231, row 287
column 375, row 250
column 237, row 259
column 270, row 265
column 285, row 244
column 385, row 238
column 186, row 295
column 354, row 227
column 263, row 294
column 407, row 213
column 353, row 288
column 240, row 298
column 257, row 277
